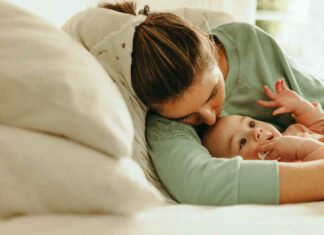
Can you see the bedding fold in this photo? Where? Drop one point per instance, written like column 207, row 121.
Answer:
column 41, row 173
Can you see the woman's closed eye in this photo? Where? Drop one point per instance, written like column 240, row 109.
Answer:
column 184, row 119
column 214, row 93
column 190, row 119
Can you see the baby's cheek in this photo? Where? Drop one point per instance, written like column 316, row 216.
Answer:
column 255, row 154
column 252, row 154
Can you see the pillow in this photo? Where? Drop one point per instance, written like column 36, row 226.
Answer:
column 80, row 160
column 203, row 19
column 40, row 173
column 51, row 84
column 94, row 29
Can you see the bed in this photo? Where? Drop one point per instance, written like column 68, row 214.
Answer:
column 73, row 157
column 180, row 219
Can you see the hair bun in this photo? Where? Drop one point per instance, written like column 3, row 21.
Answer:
column 145, row 10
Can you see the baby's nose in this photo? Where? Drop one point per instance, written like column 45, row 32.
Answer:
column 261, row 135
column 257, row 132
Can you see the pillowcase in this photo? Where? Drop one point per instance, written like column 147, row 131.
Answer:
column 94, row 29
column 51, row 84
column 40, row 173
column 203, row 19
column 74, row 154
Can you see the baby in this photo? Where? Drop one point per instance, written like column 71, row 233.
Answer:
column 252, row 139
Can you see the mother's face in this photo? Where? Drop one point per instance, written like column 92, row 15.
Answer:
column 201, row 103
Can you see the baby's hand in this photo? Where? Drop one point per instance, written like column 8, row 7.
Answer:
column 289, row 148
column 284, row 100
column 283, row 148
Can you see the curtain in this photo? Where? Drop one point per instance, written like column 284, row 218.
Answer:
column 302, row 35
column 313, row 40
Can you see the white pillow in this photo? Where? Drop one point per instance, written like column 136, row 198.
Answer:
column 203, row 19
column 51, row 84
column 40, row 173
column 93, row 28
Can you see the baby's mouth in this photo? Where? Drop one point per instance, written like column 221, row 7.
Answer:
column 267, row 138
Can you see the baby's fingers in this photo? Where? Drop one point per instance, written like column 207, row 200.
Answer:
column 268, row 92
column 267, row 104
column 267, row 146
column 280, row 110
column 283, row 85
column 278, row 86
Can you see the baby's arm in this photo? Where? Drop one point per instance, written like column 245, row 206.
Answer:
column 285, row 100
column 315, row 155
column 313, row 120
column 293, row 148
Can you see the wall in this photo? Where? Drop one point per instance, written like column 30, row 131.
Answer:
column 58, row 11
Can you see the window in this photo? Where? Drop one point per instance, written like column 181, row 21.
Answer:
column 298, row 26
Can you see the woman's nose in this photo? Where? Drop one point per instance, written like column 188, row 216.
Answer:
column 208, row 116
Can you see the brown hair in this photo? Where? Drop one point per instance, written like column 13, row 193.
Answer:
column 168, row 53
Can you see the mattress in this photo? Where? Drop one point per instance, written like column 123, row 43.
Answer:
column 305, row 218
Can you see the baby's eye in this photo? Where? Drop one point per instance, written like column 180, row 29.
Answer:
column 252, row 124
column 242, row 143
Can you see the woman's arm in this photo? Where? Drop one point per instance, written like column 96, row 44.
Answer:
column 301, row 181
column 192, row 176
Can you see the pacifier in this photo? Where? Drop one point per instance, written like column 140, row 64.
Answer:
column 263, row 155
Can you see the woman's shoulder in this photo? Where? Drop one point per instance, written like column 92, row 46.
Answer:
column 240, row 34
column 159, row 128
column 238, row 27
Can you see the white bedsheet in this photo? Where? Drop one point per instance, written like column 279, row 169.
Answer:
column 295, row 219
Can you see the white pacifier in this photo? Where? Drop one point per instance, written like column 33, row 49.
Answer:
column 262, row 155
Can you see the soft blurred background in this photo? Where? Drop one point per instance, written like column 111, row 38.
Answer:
column 298, row 25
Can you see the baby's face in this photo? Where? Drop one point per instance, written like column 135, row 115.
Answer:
column 238, row 135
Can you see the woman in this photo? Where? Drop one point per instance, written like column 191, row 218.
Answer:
column 182, row 75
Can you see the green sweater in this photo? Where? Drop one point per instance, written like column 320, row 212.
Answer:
column 186, row 168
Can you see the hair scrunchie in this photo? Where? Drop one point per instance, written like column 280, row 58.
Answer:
column 145, row 10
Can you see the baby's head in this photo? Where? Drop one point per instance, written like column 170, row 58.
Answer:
column 237, row 135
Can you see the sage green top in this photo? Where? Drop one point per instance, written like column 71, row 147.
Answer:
column 185, row 167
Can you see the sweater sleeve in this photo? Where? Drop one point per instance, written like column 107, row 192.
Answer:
column 192, row 176
column 313, row 120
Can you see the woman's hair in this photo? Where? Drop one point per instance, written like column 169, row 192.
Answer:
column 168, row 53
